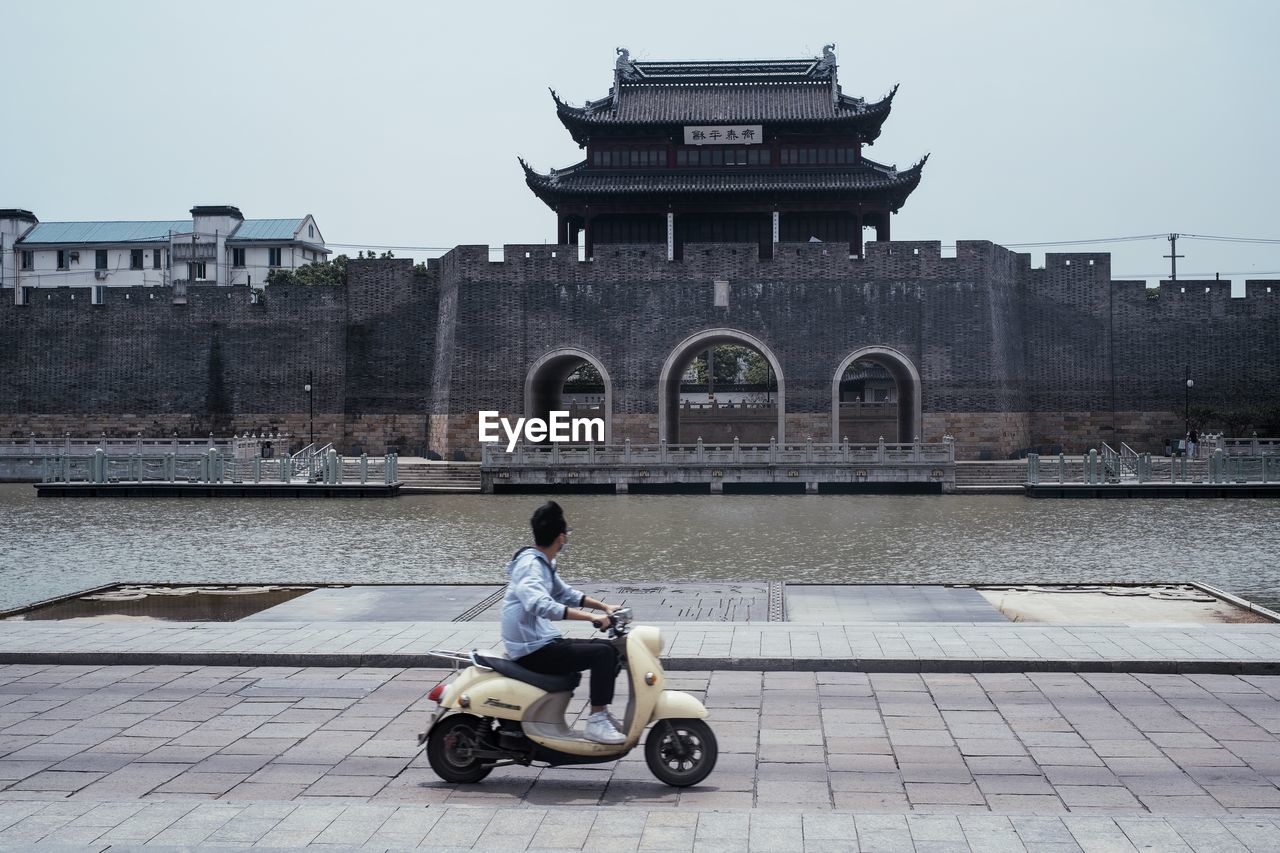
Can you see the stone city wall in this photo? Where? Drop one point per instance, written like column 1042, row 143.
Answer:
column 1008, row 356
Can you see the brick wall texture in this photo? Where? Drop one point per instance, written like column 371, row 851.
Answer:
column 1007, row 356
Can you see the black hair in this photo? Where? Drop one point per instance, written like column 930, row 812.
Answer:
column 547, row 523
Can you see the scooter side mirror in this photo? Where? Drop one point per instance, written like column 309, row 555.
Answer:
column 619, row 620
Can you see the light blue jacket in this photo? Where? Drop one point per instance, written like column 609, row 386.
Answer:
column 535, row 595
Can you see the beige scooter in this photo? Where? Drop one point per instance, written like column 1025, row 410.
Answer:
column 497, row 713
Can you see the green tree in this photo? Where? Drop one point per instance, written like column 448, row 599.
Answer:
column 586, row 376
column 756, row 370
column 329, row 272
column 1268, row 421
column 1201, row 416
column 728, row 364
column 1237, row 421
column 735, row 364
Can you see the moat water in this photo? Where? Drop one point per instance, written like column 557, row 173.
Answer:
column 52, row 546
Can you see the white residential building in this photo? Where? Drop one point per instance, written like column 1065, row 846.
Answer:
column 217, row 245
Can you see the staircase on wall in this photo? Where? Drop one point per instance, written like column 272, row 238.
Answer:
column 422, row 476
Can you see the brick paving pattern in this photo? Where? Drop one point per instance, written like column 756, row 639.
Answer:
column 286, row 757
column 753, row 645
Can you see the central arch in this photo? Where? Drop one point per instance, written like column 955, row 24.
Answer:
column 678, row 361
column 905, row 376
column 544, row 384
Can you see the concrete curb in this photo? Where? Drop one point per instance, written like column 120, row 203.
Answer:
column 674, row 664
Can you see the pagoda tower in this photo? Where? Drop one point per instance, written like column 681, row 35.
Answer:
column 761, row 151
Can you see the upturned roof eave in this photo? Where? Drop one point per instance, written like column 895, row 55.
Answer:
column 575, row 119
column 896, row 193
column 579, row 121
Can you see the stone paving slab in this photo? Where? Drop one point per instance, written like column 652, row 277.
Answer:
column 859, row 603
column 908, row 647
column 156, row 827
column 893, row 743
column 390, row 603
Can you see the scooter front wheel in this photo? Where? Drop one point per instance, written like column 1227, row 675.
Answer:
column 451, row 749
column 681, row 752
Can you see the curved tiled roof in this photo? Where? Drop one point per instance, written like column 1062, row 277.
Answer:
column 578, row 180
column 726, row 103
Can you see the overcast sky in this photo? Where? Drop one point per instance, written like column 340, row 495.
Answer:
column 400, row 123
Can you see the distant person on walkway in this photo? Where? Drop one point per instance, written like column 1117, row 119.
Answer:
column 1192, row 442
column 535, row 595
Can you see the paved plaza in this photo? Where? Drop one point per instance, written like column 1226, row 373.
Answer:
column 965, row 647
column 172, row 756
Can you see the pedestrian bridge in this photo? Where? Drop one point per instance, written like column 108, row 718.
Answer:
column 808, row 467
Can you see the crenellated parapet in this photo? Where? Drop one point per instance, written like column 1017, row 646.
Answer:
column 647, row 262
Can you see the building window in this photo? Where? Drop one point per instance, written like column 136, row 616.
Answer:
column 62, row 259
column 237, row 257
column 753, row 155
column 28, row 260
column 273, row 257
column 100, row 259
column 155, row 259
column 135, row 259
column 311, row 231
column 196, row 271
column 630, row 158
column 814, row 155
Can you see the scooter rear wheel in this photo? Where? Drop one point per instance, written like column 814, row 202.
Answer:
column 681, row 752
column 451, row 749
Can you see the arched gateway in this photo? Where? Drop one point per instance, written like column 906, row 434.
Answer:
column 544, row 386
column 678, row 361
column 908, row 399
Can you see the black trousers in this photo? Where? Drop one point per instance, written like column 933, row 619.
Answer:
column 563, row 656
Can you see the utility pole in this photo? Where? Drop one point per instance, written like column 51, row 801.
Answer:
column 1173, row 257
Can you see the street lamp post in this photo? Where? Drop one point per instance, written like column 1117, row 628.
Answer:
column 1186, row 409
column 311, row 409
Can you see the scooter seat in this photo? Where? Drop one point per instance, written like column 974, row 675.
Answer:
column 511, row 669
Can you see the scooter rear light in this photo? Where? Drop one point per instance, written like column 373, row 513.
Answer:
column 436, row 693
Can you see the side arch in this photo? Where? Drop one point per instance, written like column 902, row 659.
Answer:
column 904, row 373
column 544, row 383
column 678, row 361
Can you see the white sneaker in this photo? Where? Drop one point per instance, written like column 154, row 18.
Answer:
column 617, row 724
column 601, row 730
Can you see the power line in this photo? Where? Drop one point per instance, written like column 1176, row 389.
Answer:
column 1202, row 276
column 404, row 248
column 1084, row 242
column 1232, row 239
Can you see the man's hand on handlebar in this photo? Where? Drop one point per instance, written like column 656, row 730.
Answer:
column 601, row 622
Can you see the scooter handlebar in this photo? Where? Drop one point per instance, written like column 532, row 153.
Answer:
column 619, row 620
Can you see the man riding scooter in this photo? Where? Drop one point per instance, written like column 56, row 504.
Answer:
column 511, row 707
column 537, row 594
